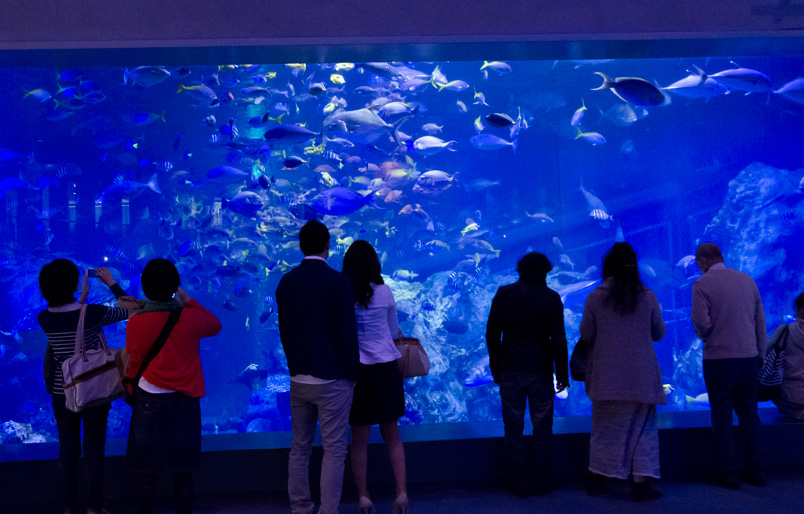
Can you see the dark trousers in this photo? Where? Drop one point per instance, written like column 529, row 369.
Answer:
column 70, row 449
column 182, row 492
column 164, row 437
column 537, row 389
column 732, row 386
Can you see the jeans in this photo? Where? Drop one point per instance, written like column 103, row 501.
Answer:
column 329, row 405
column 69, row 427
column 537, row 389
column 165, row 433
column 732, row 386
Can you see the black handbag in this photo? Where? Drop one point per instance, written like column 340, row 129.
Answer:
column 772, row 374
column 579, row 360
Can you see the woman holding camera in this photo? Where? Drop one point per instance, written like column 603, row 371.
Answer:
column 58, row 282
column 165, row 433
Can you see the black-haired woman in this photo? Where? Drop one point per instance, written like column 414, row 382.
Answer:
column 379, row 397
column 165, row 433
column 621, row 320
column 58, row 282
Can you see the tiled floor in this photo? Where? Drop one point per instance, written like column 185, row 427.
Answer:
column 784, row 494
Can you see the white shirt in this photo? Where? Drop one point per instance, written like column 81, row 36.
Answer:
column 377, row 327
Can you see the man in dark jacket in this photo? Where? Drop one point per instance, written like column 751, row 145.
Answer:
column 526, row 342
column 318, row 329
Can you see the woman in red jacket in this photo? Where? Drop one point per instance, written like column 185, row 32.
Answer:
column 165, row 433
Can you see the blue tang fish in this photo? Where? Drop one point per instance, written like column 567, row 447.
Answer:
column 340, row 201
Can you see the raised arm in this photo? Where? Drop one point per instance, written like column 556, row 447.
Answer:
column 207, row 324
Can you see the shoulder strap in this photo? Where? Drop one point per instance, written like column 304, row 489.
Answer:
column 159, row 343
column 80, row 349
column 784, row 337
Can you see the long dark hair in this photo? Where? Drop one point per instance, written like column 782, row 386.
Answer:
column 621, row 264
column 362, row 267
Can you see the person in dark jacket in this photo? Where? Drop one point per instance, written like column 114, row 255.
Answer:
column 526, row 343
column 318, row 329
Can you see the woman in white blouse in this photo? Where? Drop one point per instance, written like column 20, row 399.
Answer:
column 379, row 396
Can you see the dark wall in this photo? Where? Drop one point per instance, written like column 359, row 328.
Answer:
column 44, row 24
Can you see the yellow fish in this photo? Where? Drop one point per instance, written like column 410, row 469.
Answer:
column 297, row 66
column 346, row 241
column 344, row 66
column 403, row 274
column 315, row 149
column 271, row 75
column 470, row 227
column 327, row 180
column 337, row 78
column 362, row 180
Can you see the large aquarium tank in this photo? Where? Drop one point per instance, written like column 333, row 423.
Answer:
column 452, row 170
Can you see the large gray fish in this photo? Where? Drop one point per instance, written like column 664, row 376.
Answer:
column 633, row 90
column 360, row 126
column 793, row 90
column 146, row 75
column 697, row 85
column 744, row 79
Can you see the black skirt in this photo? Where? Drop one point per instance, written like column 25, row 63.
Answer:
column 165, row 433
column 379, row 395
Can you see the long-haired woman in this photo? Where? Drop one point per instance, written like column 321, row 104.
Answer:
column 621, row 320
column 379, row 396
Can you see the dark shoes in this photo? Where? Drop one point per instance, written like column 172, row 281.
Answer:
column 642, row 491
column 755, row 479
column 595, row 484
column 725, row 482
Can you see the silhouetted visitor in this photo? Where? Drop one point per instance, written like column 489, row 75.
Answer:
column 791, row 336
column 621, row 320
column 318, row 329
column 58, row 282
column 526, row 343
column 165, row 431
column 727, row 315
column 379, row 395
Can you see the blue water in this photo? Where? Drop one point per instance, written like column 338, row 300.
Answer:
column 727, row 169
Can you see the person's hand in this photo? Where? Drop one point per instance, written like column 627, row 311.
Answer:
column 105, row 276
column 85, row 285
column 184, row 298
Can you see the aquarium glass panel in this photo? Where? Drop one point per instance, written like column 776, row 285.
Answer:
column 452, row 170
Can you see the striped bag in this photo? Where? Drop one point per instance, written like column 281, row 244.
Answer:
column 772, row 373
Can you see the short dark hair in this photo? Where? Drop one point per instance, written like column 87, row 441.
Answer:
column 58, row 282
column 710, row 252
column 534, row 266
column 160, row 279
column 313, row 238
column 799, row 303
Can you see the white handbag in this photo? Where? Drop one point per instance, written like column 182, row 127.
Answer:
column 414, row 361
column 90, row 377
